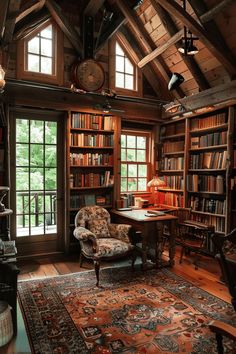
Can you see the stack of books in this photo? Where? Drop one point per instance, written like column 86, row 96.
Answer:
column 8, row 251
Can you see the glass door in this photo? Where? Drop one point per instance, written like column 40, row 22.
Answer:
column 37, row 183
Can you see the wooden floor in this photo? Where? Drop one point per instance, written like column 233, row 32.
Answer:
column 207, row 277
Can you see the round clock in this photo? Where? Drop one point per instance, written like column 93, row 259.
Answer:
column 88, row 75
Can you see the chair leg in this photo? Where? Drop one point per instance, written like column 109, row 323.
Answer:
column 220, row 348
column 97, row 269
column 133, row 258
column 181, row 255
column 81, row 258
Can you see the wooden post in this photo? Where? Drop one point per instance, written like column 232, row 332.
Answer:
column 230, row 154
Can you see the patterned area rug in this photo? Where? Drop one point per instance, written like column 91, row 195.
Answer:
column 134, row 312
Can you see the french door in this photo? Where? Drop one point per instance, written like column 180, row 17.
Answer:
column 37, row 181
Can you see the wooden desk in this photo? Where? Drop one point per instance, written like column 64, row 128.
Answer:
column 151, row 228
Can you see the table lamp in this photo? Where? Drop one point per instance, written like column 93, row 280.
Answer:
column 155, row 183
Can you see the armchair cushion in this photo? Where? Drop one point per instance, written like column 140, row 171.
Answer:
column 99, row 228
column 120, row 231
column 83, row 234
column 110, row 247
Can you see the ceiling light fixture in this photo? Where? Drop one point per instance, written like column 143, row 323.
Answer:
column 188, row 47
column 175, row 81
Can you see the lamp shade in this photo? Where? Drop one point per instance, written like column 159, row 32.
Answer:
column 2, row 75
column 175, row 81
column 156, row 182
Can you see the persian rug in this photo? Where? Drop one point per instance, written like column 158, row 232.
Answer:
column 133, row 312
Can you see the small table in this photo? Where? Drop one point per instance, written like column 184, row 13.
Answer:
column 151, row 228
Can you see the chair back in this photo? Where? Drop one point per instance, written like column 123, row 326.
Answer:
column 89, row 213
column 226, row 254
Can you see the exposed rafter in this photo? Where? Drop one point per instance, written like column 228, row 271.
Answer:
column 211, row 42
column 3, row 14
column 13, row 10
column 92, row 7
column 209, row 15
column 29, row 7
column 63, row 23
column 26, row 26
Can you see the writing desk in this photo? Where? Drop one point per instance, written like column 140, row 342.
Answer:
column 151, row 228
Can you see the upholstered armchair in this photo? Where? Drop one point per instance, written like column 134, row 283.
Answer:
column 100, row 239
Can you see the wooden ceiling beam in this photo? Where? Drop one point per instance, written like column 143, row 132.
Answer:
column 200, row 8
column 63, row 23
column 92, row 7
column 159, row 50
column 26, row 27
column 210, row 41
column 190, row 62
column 29, row 7
column 13, row 10
column 210, row 14
column 147, row 44
column 3, row 15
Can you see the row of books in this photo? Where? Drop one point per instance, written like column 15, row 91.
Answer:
column 208, row 205
column 78, row 201
column 173, row 146
column 172, row 163
column 234, row 159
column 196, row 183
column 212, row 139
column 91, row 179
column 174, row 182
column 209, row 160
column 98, row 140
column 207, row 122
column 91, row 159
column 217, row 222
column 172, row 129
column 92, row 121
column 172, row 199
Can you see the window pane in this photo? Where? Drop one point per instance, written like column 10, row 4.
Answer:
column 50, row 132
column 119, row 50
column 123, row 185
column 120, row 78
column 142, row 170
column 129, row 82
column 123, row 154
column 132, row 170
column 22, row 154
column 123, row 170
column 132, row 184
column 131, row 155
column 142, row 184
column 36, row 131
column 22, row 223
column 36, row 155
column 46, row 65
column 22, row 131
column 22, row 202
column 22, row 178
column 120, row 64
column 37, row 202
column 47, row 32
column 33, row 62
column 141, row 155
column 141, row 142
column 46, row 47
column 50, row 199
column 129, row 68
column 131, row 141
column 33, row 45
column 123, row 140
column 50, row 178
column 36, row 178
column 50, row 155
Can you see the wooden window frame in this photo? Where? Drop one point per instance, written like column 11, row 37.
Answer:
column 148, row 136
column 57, row 57
column 112, row 68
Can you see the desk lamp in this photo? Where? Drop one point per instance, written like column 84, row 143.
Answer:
column 155, row 183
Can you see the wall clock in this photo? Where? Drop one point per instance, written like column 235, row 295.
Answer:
column 88, row 75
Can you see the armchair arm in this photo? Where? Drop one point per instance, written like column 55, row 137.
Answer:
column 120, row 231
column 83, row 234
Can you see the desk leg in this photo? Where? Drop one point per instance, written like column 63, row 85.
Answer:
column 145, row 247
column 159, row 230
column 172, row 243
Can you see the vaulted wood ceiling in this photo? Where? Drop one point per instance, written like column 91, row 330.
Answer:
column 153, row 29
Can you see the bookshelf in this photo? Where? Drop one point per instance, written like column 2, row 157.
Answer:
column 92, row 148
column 203, row 176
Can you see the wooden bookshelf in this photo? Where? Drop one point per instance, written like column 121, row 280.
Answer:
column 92, row 150
column 209, row 165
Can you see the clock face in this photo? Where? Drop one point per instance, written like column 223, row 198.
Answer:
column 89, row 75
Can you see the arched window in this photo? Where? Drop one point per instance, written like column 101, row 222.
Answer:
column 40, row 55
column 124, row 70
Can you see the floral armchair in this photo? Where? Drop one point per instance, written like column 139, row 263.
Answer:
column 100, row 239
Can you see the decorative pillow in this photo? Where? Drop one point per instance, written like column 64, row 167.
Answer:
column 99, row 228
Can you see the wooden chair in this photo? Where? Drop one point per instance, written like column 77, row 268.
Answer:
column 100, row 239
column 193, row 236
column 226, row 254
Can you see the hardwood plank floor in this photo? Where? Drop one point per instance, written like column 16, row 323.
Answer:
column 207, row 277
